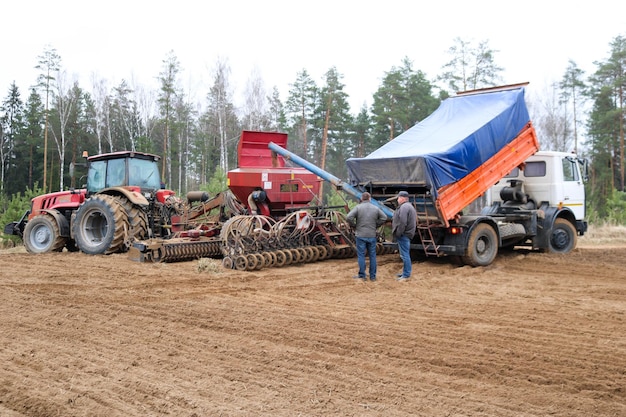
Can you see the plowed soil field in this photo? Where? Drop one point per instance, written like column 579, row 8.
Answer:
column 531, row 335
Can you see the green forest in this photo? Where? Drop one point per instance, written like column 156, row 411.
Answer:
column 44, row 131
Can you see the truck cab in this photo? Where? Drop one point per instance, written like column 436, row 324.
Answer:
column 555, row 179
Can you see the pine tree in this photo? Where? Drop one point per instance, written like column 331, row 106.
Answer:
column 603, row 133
column 168, row 79
column 333, row 116
column 404, row 98
column 300, row 109
column 30, row 154
column 611, row 74
column 362, row 131
column 571, row 87
column 11, row 133
column 276, row 112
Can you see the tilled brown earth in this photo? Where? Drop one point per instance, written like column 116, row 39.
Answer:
column 531, row 335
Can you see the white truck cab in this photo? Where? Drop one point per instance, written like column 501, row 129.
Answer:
column 555, row 178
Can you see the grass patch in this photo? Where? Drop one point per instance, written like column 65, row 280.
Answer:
column 603, row 234
column 211, row 266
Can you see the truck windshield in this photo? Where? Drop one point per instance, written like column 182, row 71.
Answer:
column 144, row 173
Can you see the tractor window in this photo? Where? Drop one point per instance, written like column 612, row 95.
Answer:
column 144, row 173
column 116, row 172
column 95, row 176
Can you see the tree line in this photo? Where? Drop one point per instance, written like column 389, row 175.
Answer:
column 44, row 132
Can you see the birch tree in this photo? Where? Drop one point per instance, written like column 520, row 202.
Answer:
column 221, row 112
column 471, row 66
column 550, row 119
column 65, row 98
column 255, row 107
column 49, row 63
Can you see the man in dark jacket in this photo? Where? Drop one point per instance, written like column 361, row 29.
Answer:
column 366, row 218
column 403, row 227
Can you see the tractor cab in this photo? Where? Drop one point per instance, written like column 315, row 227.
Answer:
column 123, row 169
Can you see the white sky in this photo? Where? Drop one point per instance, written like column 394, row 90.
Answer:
column 129, row 39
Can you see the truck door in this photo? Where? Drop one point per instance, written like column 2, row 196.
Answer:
column 573, row 187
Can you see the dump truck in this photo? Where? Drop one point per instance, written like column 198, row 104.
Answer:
column 476, row 143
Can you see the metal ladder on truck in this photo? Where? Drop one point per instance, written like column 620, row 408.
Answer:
column 424, row 226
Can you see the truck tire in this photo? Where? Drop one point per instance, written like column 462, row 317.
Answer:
column 101, row 226
column 42, row 234
column 482, row 246
column 563, row 237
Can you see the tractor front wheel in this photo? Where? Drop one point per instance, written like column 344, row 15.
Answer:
column 42, row 235
column 101, row 226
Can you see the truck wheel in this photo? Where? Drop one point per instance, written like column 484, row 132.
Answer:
column 563, row 237
column 101, row 226
column 41, row 235
column 482, row 246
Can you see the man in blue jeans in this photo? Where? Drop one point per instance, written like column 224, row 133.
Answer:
column 366, row 218
column 403, row 227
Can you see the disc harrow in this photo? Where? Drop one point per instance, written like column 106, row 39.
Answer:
column 248, row 243
column 176, row 250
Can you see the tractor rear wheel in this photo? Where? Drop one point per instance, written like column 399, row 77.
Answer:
column 101, row 226
column 137, row 219
column 42, row 235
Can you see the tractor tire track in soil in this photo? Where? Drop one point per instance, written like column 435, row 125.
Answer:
column 531, row 335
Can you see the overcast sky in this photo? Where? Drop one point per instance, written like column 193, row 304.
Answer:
column 128, row 39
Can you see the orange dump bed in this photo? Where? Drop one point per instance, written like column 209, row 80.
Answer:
column 458, row 195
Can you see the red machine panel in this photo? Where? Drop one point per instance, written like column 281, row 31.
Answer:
column 259, row 169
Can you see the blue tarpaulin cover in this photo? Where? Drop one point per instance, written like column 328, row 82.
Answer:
column 463, row 133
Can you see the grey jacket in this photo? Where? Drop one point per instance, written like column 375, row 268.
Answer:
column 366, row 218
column 404, row 221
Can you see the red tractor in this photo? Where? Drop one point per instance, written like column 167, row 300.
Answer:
column 123, row 201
